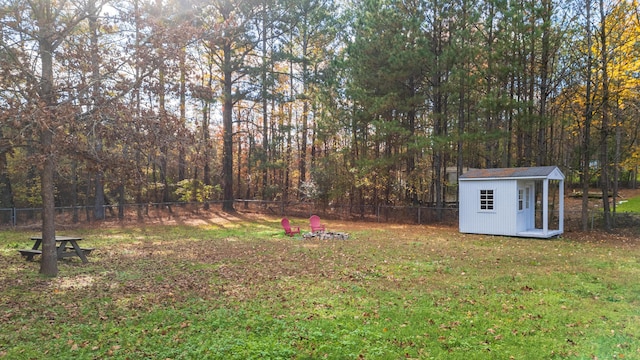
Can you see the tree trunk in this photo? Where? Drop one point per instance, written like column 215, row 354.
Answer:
column 305, row 113
column 287, row 156
column 99, row 206
column 137, row 103
column 545, row 64
column 6, row 192
column 616, row 165
column 265, row 109
column 227, row 124
column 604, row 130
column 74, row 191
column 183, row 116
column 238, row 154
column 587, row 127
column 206, row 146
column 98, row 209
column 49, row 261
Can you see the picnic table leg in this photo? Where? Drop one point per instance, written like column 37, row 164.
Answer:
column 61, row 249
column 79, row 251
column 36, row 245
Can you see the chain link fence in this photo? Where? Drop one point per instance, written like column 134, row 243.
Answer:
column 154, row 212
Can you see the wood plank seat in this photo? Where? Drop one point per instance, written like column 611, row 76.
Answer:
column 69, row 251
column 30, row 253
column 85, row 250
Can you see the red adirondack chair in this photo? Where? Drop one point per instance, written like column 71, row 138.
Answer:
column 314, row 221
column 288, row 230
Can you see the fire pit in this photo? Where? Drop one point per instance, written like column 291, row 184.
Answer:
column 326, row 235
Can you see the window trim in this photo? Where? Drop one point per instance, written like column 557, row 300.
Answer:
column 486, row 200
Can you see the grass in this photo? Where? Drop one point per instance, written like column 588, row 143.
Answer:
column 629, row 205
column 242, row 290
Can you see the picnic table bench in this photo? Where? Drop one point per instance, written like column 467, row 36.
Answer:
column 67, row 246
column 30, row 253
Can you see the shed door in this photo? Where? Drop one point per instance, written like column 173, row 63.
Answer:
column 526, row 208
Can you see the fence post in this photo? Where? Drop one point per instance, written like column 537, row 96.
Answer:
column 419, row 215
column 14, row 217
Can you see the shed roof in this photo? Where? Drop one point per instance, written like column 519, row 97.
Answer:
column 537, row 172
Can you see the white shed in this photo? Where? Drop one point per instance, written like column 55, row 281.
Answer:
column 506, row 202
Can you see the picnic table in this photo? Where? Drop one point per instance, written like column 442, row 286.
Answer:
column 66, row 246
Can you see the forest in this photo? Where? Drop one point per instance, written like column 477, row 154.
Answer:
column 361, row 101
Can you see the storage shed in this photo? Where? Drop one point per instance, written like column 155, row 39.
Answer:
column 525, row 202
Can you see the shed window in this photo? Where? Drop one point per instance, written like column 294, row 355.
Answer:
column 524, row 198
column 486, row 200
column 520, row 199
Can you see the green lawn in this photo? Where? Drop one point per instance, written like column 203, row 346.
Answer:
column 629, row 205
column 242, row 290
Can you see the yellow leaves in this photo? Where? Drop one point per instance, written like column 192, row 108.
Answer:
column 633, row 160
column 623, row 29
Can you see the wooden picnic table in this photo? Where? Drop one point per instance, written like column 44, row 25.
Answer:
column 67, row 246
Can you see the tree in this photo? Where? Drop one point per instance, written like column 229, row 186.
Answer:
column 49, row 39
column 439, row 70
column 311, row 35
column 604, row 126
column 95, row 103
column 6, row 192
column 69, row 106
column 44, row 26
column 588, row 115
column 386, row 62
column 234, row 43
column 6, row 97
column 616, row 36
column 462, row 77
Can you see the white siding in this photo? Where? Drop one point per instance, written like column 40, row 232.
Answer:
column 556, row 174
column 501, row 221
